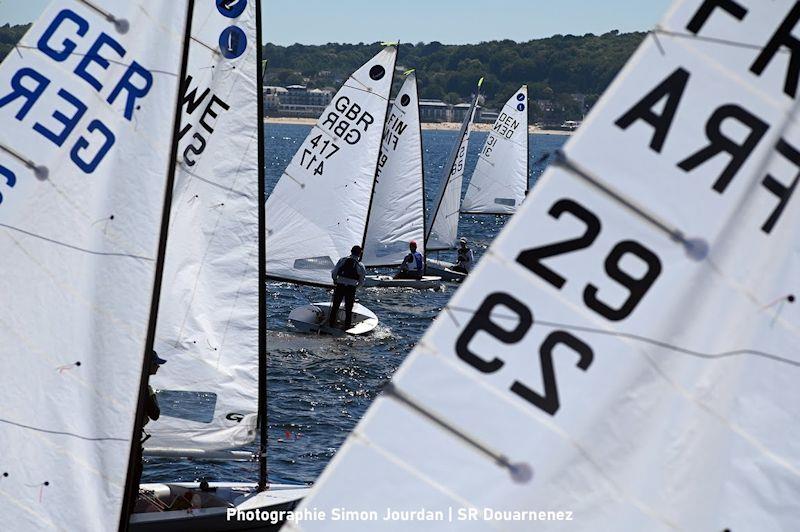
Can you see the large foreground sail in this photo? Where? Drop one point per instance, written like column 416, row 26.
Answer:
column 318, row 210
column 208, row 317
column 397, row 215
column 627, row 351
column 443, row 225
column 87, row 103
column 500, row 180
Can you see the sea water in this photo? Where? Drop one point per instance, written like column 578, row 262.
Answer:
column 319, row 387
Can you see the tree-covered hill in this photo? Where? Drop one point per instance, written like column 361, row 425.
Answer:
column 555, row 68
column 9, row 36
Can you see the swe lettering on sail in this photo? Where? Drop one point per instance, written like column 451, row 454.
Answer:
column 667, row 96
column 57, row 112
column 214, row 105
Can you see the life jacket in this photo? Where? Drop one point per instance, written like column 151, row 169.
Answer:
column 349, row 269
column 463, row 254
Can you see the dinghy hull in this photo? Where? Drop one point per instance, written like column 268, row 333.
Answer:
column 443, row 269
column 313, row 318
column 387, row 281
column 185, row 506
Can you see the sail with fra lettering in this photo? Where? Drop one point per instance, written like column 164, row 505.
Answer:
column 500, row 180
column 87, row 102
column 208, row 315
column 318, row 209
column 627, row 351
column 443, row 226
column 397, row 215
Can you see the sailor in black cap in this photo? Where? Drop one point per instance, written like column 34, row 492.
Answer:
column 348, row 275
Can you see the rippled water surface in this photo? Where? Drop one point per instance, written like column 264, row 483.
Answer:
column 319, row 387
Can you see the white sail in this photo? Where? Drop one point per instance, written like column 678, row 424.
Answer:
column 318, row 209
column 627, row 351
column 87, row 103
column 443, row 226
column 500, row 180
column 208, row 314
column 397, row 215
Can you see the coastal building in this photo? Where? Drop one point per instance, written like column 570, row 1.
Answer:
column 486, row 116
column 272, row 99
column 434, row 111
column 459, row 112
column 296, row 101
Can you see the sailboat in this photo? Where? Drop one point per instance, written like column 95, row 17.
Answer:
column 320, row 206
column 499, row 182
column 211, row 325
column 632, row 363
column 442, row 230
column 397, row 214
column 89, row 106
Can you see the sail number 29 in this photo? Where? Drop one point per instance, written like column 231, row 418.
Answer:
column 490, row 320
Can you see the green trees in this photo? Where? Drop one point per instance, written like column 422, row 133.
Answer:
column 9, row 36
column 565, row 73
column 555, row 68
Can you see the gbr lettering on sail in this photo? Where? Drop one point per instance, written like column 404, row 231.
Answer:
column 693, row 132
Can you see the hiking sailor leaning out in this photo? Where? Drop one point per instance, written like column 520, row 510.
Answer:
column 348, row 275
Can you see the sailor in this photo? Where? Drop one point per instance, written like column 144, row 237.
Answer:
column 465, row 257
column 151, row 405
column 413, row 265
column 151, row 411
column 348, row 275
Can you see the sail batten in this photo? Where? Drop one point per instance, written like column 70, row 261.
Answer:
column 318, row 210
column 500, row 180
column 397, row 215
column 632, row 334
column 84, row 172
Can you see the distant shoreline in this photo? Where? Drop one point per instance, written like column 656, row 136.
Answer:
column 442, row 126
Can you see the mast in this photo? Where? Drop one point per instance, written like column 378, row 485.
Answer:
column 422, row 177
column 378, row 159
column 453, row 158
column 132, row 490
column 527, row 143
column 262, row 269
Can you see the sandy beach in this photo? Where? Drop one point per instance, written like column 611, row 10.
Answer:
column 425, row 125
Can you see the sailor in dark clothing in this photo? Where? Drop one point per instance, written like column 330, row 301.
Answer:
column 151, row 411
column 465, row 257
column 348, row 275
column 413, row 266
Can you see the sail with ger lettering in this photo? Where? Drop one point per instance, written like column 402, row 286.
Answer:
column 87, row 101
column 626, row 353
column 500, row 180
column 319, row 207
column 208, row 316
column 397, row 216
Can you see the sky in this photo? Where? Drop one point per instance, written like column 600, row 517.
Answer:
column 447, row 21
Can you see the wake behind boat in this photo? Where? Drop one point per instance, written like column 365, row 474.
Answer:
column 426, row 282
column 313, row 318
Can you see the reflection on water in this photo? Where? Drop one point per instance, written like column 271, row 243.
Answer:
column 320, row 386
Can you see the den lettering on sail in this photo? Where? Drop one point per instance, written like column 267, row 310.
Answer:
column 55, row 111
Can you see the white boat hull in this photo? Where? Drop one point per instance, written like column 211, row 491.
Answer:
column 444, row 270
column 313, row 318
column 387, row 281
column 185, row 506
